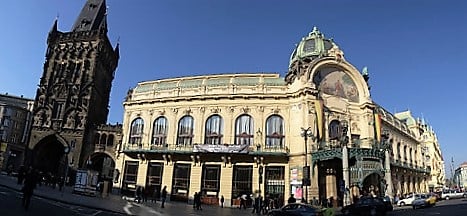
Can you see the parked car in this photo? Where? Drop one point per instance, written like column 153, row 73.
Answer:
column 425, row 200
column 296, row 209
column 366, row 206
column 408, row 200
column 451, row 194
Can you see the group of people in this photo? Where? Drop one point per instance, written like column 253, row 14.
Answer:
column 260, row 204
column 142, row 194
column 197, row 201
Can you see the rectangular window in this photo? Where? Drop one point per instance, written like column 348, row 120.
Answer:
column 129, row 176
column 181, row 182
column 275, row 181
column 211, row 178
column 154, row 179
column 242, row 181
column 154, row 176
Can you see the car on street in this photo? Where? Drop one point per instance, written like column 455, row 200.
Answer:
column 452, row 194
column 366, row 206
column 425, row 200
column 296, row 209
column 408, row 200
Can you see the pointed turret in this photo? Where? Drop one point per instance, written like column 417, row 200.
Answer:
column 53, row 31
column 92, row 17
column 117, row 51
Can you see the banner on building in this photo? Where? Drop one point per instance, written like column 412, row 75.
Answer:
column 204, row 148
column 378, row 126
column 319, row 118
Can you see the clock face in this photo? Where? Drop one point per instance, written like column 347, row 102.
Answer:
column 309, row 46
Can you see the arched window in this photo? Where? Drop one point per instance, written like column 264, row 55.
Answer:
column 410, row 156
column 244, row 128
column 185, row 131
column 159, row 132
column 275, row 132
column 213, row 132
column 103, row 139
column 96, row 138
column 399, row 150
column 136, row 131
column 110, row 140
column 405, row 153
column 334, row 130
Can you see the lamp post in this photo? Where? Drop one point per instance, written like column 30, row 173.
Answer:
column 66, row 150
column 344, row 187
column 386, row 147
column 305, row 133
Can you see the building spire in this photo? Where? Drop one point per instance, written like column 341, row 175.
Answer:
column 53, row 31
column 92, row 17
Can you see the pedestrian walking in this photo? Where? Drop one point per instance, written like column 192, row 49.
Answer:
column 156, row 194
column 198, row 201
column 138, row 194
column 194, row 199
column 163, row 196
column 28, row 187
column 222, row 201
column 243, row 199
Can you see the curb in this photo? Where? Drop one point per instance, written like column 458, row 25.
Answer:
column 66, row 202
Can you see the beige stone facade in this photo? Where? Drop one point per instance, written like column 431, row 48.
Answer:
column 233, row 134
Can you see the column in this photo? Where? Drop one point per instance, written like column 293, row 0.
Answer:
column 142, row 172
column 345, row 170
column 167, row 178
column 387, row 175
column 331, row 184
column 195, row 180
column 226, row 185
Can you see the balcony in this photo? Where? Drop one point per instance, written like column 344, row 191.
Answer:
column 207, row 148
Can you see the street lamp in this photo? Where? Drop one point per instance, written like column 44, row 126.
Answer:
column 66, row 150
column 305, row 133
column 344, row 185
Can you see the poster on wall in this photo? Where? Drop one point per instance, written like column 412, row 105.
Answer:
column 204, row 148
column 296, row 184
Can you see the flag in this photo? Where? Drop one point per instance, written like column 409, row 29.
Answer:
column 319, row 118
column 377, row 126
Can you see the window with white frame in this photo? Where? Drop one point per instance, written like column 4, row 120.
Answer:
column 159, row 131
column 244, row 130
column 136, row 131
column 185, row 131
column 275, row 132
column 213, row 132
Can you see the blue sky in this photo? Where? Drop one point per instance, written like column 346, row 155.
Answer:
column 416, row 51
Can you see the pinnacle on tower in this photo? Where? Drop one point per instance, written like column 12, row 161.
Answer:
column 92, row 17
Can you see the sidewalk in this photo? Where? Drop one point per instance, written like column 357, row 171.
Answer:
column 112, row 203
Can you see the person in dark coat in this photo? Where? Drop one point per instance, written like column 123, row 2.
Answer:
column 163, row 196
column 222, row 201
column 138, row 194
column 28, row 187
column 291, row 199
column 198, row 201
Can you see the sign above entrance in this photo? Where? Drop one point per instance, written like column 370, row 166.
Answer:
column 221, row 148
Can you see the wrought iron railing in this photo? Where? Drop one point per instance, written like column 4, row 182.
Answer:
column 190, row 148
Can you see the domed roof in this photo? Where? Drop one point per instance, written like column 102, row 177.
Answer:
column 313, row 46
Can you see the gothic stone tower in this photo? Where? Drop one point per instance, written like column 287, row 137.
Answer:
column 73, row 95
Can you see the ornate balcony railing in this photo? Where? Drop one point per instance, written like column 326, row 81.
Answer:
column 205, row 148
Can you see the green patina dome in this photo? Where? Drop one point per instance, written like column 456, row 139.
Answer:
column 313, row 46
